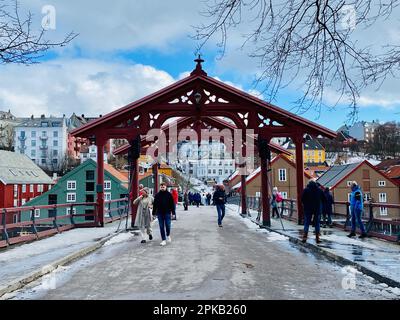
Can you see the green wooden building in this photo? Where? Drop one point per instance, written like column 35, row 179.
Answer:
column 79, row 186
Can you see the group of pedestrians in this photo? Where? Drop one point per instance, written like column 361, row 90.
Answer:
column 317, row 201
column 163, row 205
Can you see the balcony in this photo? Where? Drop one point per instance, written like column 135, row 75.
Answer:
column 22, row 138
column 44, row 138
column 43, row 147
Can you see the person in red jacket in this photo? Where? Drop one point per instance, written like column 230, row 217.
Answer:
column 174, row 193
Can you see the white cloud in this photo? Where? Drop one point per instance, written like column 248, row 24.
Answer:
column 80, row 86
column 123, row 24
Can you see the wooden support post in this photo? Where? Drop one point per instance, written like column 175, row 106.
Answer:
column 100, row 182
column 299, row 140
column 156, row 179
column 265, row 194
column 135, row 188
column 243, row 191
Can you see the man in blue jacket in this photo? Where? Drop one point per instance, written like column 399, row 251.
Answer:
column 356, row 210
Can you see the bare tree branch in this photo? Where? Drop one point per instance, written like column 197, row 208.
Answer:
column 18, row 43
column 307, row 42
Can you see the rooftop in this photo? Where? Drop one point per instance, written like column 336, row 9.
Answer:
column 16, row 168
column 336, row 173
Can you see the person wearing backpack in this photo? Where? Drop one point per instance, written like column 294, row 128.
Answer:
column 276, row 198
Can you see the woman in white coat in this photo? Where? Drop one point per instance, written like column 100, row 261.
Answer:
column 144, row 216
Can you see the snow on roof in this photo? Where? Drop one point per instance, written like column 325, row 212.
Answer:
column 17, row 168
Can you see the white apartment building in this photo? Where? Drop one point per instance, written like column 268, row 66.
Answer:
column 209, row 162
column 43, row 140
column 91, row 153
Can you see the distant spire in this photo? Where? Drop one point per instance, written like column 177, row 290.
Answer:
column 199, row 68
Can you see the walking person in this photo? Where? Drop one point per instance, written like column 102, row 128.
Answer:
column 327, row 208
column 276, row 197
column 219, row 199
column 356, row 210
column 186, row 201
column 143, row 216
column 174, row 194
column 197, row 199
column 162, row 207
column 208, row 197
column 312, row 199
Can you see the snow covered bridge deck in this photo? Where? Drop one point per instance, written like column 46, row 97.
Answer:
column 238, row 261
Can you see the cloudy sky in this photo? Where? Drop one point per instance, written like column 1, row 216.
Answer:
column 127, row 49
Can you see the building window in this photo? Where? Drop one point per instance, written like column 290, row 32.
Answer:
column 40, row 188
column 37, row 213
column 33, row 134
column 383, row 211
column 23, row 201
column 71, row 197
column 90, row 175
column 282, row 175
column 367, row 196
column 382, row 183
column 55, row 161
column 107, row 185
column 33, row 153
column 69, row 211
column 220, row 172
column 55, row 143
column 107, row 196
column 71, row 185
column 382, row 197
column 15, row 218
column 43, row 161
column 89, row 186
column 55, row 153
column 31, row 188
column 33, row 143
column 15, row 203
column 55, row 134
column 284, row 194
column 89, row 198
column 23, row 188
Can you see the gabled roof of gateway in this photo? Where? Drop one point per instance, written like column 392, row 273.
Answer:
column 199, row 78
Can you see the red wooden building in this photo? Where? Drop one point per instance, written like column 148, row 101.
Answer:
column 21, row 180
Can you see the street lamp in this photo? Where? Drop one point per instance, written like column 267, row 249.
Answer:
column 197, row 97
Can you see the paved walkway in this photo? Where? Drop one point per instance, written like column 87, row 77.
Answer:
column 380, row 257
column 239, row 261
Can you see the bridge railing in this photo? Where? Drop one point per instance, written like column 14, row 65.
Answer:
column 376, row 226
column 23, row 224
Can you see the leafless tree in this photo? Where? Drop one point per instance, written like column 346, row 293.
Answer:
column 307, row 42
column 18, row 42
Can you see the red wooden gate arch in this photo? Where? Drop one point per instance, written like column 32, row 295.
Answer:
column 200, row 101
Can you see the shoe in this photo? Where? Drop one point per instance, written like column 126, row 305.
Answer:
column 352, row 234
column 304, row 239
column 150, row 237
column 169, row 239
column 363, row 235
column 163, row 243
column 143, row 241
column 317, row 239
column 220, row 225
